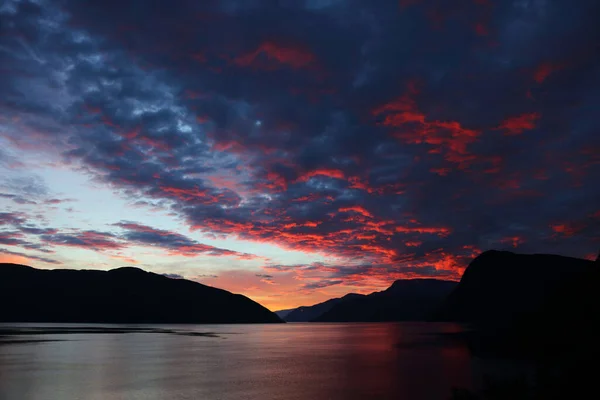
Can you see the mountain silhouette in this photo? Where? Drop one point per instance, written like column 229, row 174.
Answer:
column 309, row 313
column 122, row 295
column 283, row 313
column 541, row 308
column 499, row 286
column 405, row 300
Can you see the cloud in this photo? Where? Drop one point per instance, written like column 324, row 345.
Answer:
column 54, row 201
column 92, row 240
column 266, row 278
column 173, row 276
column 274, row 54
column 174, row 243
column 28, row 187
column 20, row 255
column 519, row 124
column 134, row 234
column 12, row 218
column 17, row 199
column 392, row 137
column 323, row 283
column 544, row 70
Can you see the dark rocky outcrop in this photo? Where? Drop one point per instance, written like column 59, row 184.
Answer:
column 500, row 286
column 544, row 309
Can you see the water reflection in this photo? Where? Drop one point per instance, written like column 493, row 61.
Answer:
column 291, row 361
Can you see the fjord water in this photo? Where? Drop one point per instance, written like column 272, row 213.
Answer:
column 253, row 362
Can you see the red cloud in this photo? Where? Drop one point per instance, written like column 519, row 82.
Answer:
column 308, row 198
column 358, row 209
column 132, row 134
column 374, row 275
column 568, row 229
column 332, row 173
column 440, row 231
column 543, row 71
column 481, row 29
column 515, row 241
column 563, row 229
column 276, row 182
column 194, row 195
column 441, row 171
column 519, row 124
column 412, row 126
column 294, row 57
column 357, row 183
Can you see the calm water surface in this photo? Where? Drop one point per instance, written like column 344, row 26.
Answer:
column 254, row 362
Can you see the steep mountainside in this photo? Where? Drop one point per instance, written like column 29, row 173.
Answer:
column 500, row 285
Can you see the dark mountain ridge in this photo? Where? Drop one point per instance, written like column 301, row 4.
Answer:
column 404, row 300
column 122, row 295
column 283, row 313
column 309, row 313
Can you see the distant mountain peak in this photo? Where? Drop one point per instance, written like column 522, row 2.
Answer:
column 404, row 300
column 131, row 270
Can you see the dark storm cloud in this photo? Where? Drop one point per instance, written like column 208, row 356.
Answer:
column 405, row 134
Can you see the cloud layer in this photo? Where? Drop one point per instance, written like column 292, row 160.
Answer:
column 397, row 138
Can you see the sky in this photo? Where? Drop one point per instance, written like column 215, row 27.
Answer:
column 297, row 150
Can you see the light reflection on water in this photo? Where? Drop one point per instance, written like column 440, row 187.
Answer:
column 254, row 362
